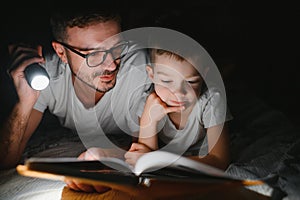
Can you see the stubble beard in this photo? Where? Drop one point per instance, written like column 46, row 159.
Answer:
column 107, row 87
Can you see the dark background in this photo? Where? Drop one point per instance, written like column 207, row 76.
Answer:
column 255, row 44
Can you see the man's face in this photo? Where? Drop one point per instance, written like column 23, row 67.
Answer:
column 89, row 40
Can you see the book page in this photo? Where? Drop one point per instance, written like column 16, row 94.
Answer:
column 117, row 164
column 159, row 159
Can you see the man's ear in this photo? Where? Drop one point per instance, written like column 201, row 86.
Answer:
column 60, row 51
column 150, row 72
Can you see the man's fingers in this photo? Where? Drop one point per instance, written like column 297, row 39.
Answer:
column 40, row 50
column 79, row 186
column 101, row 189
column 11, row 48
column 22, row 55
column 85, row 187
column 72, row 185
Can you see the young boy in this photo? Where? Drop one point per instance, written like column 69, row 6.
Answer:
column 181, row 115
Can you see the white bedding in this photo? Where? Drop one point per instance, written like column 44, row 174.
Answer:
column 263, row 144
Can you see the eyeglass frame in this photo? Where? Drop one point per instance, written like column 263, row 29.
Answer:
column 85, row 56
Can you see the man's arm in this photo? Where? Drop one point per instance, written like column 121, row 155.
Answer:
column 15, row 133
column 23, row 120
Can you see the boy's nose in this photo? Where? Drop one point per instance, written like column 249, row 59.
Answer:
column 180, row 90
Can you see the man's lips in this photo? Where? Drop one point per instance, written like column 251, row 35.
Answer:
column 107, row 78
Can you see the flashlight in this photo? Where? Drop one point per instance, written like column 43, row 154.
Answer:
column 36, row 76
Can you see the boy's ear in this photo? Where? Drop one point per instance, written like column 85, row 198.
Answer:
column 150, row 72
column 60, row 51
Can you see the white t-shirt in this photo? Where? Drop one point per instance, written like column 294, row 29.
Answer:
column 115, row 113
column 210, row 110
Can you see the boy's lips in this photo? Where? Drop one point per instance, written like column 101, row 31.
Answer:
column 177, row 103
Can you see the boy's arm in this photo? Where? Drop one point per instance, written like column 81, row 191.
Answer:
column 155, row 109
column 218, row 147
column 147, row 140
column 148, row 129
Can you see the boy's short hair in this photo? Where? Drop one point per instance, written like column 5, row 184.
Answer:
column 156, row 51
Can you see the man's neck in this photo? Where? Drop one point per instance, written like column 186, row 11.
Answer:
column 88, row 96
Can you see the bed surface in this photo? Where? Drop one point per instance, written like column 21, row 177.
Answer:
column 263, row 144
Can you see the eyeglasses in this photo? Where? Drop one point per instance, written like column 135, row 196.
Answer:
column 96, row 58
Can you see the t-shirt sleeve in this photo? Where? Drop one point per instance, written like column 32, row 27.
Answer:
column 214, row 109
column 138, row 84
column 41, row 103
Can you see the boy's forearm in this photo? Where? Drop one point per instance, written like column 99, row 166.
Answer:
column 212, row 160
column 148, row 133
column 12, row 133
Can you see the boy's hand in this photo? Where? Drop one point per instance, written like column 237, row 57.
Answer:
column 92, row 154
column 157, row 109
column 135, row 152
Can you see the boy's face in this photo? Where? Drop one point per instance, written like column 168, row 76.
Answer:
column 176, row 82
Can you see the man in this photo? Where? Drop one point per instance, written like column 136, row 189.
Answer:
column 91, row 88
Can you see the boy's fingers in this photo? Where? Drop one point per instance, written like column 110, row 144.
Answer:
column 134, row 147
column 174, row 109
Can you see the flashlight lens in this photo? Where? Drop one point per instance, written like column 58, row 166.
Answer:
column 36, row 76
column 39, row 82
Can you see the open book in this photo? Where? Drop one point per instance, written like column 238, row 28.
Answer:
column 156, row 166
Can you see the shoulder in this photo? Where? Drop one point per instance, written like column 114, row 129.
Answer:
column 133, row 66
column 214, row 107
column 212, row 94
column 212, row 101
column 54, row 66
column 136, row 55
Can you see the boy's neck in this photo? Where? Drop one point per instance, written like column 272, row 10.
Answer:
column 180, row 119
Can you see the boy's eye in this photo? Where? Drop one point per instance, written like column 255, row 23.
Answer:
column 166, row 81
column 193, row 82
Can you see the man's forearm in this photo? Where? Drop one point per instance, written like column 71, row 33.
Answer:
column 12, row 142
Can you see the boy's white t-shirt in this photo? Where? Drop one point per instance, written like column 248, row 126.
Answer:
column 115, row 113
column 210, row 110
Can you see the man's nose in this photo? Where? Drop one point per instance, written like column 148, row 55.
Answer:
column 110, row 63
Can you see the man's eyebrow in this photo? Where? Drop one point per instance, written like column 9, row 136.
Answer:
column 84, row 49
column 88, row 48
column 101, row 48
